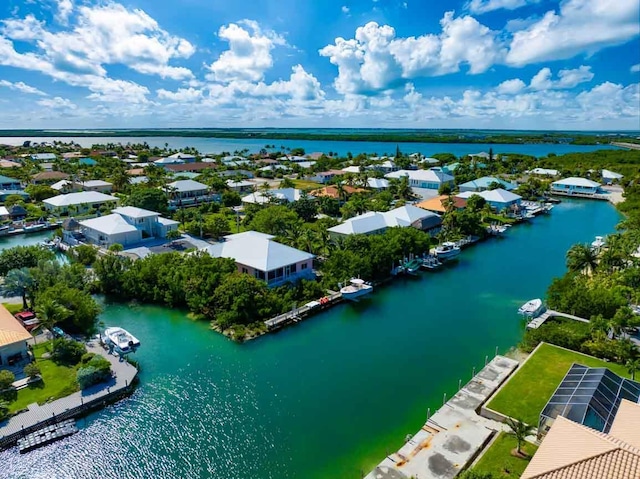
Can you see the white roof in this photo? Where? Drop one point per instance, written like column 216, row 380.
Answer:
column 611, row 175
column 239, row 184
column 284, row 194
column 59, row 185
column 167, row 221
column 136, row 180
column 133, row 212
column 495, row 196
column 182, row 156
column 545, row 171
column 378, row 183
column 351, row 169
column 43, row 156
column 257, row 251
column 182, row 186
column 169, row 161
column 374, row 221
column 576, row 181
column 421, row 175
column 109, row 225
column 84, row 197
column 273, row 167
column 92, row 183
column 4, row 211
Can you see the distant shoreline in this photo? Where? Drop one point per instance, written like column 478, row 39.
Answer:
column 391, row 136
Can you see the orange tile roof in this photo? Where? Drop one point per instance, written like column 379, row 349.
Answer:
column 332, row 191
column 573, row 451
column 135, row 172
column 438, row 203
column 626, row 425
column 11, row 331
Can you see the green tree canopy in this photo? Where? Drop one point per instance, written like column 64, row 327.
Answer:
column 148, row 198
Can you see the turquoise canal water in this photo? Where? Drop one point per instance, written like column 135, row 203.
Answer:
column 218, row 145
column 327, row 398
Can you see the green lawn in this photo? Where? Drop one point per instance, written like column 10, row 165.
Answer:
column 306, row 185
column 57, row 381
column 529, row 390
column 13, row 308
column 499, row 461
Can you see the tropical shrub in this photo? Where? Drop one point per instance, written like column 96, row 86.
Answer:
column 67, row 351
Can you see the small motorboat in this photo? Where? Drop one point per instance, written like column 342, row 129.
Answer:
column 34, row 227
column 121, row 339
column 598, row 243
column 49, row 243
column 355, row 289
column 447, row 250
column 531, row 309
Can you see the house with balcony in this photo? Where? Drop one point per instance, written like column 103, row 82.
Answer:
column 188, row 193
column 484, row 183
column 499, row 199
column 258, row 255
column 69, row 186
column 428, row 179
column 575, row 186
column 127, row 226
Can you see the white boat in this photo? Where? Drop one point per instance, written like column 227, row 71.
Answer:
column 34, row 227
column 121, row 339
column 355, row 289
column 598, row 243
column 532, row 308
column 447, row 250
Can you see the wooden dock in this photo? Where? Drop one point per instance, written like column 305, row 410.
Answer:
column 595, row 196
column 550, row 313
column 47, row 435
column 75, row 405
column 298, row 314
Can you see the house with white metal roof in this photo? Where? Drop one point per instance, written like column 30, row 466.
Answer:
column 79, row 202
column 378, row 183
column 498, row 198
column 68, row 186
column 258, row 255
column 485, row 183
column 609, row 177
column 126, row 225
column 188, row 193
column 282, row 195
column 43, row 157
column 184, row 157
column 375, row 222
column 544, row 172
column 575, row 185
column 429, row 179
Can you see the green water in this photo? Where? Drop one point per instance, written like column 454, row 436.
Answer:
column 327, row 398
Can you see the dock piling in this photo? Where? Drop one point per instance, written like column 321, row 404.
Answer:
column 473, row 373
column 459, row 384
column 444, row 399
column 486, row 359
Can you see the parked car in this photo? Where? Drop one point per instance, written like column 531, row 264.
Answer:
column 28, row 320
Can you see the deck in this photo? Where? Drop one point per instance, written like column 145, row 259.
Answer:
column 76, row 404
column 540, row 320
column 298, row 314
column 595, row 196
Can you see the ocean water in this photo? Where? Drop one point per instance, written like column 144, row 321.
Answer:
column 327, row 398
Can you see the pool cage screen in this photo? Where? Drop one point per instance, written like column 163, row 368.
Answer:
column 588, row 396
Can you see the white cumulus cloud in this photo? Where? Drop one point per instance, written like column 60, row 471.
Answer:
column 568, row 78
column 635, row 68
column 484, row 6
column 57, row 103
column 180, row 95
column 581, row 26
column 511, row 87
column 65, row 8
column 22, row 87
column 249, row 54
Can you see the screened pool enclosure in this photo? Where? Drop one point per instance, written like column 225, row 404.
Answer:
column 588, row 396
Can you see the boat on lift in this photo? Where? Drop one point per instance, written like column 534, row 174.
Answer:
column 532, row 309
column 122, row 340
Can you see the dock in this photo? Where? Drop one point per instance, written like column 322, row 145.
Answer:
column 47, row 436
column 550, row 313
column 299, row 314
column 595, row 196
column 453, row 437
column 75, row 405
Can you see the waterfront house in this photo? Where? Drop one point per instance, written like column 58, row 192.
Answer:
column 184, row 157
column 429, row 179
column 499, row 199
column 126, row 225
column 4, row 213
column 79, row 202
column 544, row 172
column 7, row 183
column 609, row 177
column 169, row 161
column 13, row 339
column 17, row 212
column 575, row 185
column 43, row 157
column 258, row 255
column 282, row 195
column 484, row 183
column 49, row 177
column 188, row 193
column 439, row 204
column 67, row 186
column 482, row 155
column 375, row 222
column 325, row 177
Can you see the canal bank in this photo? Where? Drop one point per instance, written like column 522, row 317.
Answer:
column 328, row 398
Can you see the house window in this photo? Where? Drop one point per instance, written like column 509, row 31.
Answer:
column 245, row 270
column 303, row 266
column 293, row 268
column 260, row 275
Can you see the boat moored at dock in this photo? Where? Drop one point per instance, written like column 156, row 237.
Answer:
column 598, row 243
column 122, row 340
column 532, row 308
column 356, row 289
column 447, row 250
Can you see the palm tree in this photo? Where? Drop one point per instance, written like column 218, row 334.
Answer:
column 581, row 257
column 18, row 282
column 50, row 312
column 633, row 366
column 520, row 431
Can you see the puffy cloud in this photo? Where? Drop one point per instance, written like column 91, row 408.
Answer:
column 567, row 78
column 57, row 103
column 249, row 54
column 22, row 87
column 180, row 95
column 105, row 34
column 511, row 87
column 635, row 68
column 484, row 6
column 376, row 60
column 581, row 26
column 345, row 9
column 611, row 101
column 65, row 7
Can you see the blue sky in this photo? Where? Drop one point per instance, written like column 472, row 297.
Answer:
column 530, row 64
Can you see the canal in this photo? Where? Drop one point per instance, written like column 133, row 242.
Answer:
column 327, row 398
